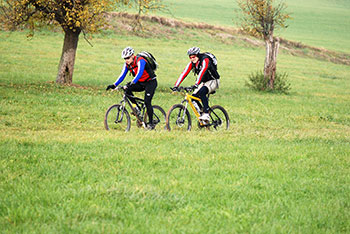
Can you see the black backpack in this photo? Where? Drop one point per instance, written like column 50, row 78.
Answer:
column 149, row 58
column 213, row 72
column 213, row 59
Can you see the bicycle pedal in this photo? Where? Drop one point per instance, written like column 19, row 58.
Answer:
column 205, row 122
column 139, row 124
column 144, row 125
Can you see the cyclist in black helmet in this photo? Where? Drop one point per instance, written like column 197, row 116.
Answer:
column 145, row 80
column 207, row 81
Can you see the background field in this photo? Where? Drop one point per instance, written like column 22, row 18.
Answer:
column 321, row 23
column 282, row 167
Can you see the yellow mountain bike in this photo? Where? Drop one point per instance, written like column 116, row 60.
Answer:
column 178, row 117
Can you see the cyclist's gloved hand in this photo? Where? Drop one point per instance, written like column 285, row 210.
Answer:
column 193, row 87
column 127, row 85
column 174, row 89
column 111, row 87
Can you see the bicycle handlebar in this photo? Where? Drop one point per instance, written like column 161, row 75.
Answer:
column 119, row 88
column 181, row 88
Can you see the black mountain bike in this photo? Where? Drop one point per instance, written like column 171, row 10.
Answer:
column 179, row 118
column 117, row 116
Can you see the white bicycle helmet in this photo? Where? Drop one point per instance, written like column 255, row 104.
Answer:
column 127, row 52
column 193, row 51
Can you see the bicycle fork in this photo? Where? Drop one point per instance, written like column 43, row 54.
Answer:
column 180, row 120
column 120, row 113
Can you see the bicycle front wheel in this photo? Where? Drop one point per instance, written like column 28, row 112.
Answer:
column 178, row 118
column 158, row 117
column 117, row 118
column 219, row 118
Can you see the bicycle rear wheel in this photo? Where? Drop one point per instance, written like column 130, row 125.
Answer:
column 178, row 118
column 219, row 119
column 158, row 117
column 117, row 118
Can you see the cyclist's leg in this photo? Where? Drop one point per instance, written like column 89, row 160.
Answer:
column 134, row 87
column 208, row 87
column 195, row 94
column 202, row 94
column 212, row 85
column 150, row 88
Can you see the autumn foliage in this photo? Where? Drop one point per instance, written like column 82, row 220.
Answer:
column 71, row 15
column 144, row 7
column 262, row 17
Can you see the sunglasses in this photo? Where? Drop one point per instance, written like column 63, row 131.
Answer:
column 127, row 58
column 192, row 56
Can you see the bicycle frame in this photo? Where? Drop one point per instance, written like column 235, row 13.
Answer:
column 179, row 115
column 188, row 100
column 139, row 101
column 117, row 113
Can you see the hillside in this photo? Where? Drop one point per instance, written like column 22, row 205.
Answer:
column 163, row 27
column 318, row 23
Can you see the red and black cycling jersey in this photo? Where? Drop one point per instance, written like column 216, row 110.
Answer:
column 139, row 68
column 203, row 68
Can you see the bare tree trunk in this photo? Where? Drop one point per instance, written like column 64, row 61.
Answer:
column 138, row 22
column 272, row 46
column 66, row 66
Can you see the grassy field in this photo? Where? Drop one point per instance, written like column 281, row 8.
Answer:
column 321, row 23
column 282, row 167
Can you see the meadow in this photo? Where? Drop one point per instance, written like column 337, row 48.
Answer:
column 282, row 167
column 321, row 23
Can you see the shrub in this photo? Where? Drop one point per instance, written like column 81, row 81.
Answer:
column 258, row 82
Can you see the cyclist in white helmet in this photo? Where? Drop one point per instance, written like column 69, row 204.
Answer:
column 144, row 80
column 204, row 66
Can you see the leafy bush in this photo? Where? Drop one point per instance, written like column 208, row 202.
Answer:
column 258, row 82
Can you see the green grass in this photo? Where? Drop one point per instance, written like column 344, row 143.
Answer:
column 320, row 23
column 282, row 167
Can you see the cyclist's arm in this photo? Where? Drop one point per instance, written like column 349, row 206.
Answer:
column 141, row 67
column 202, row 72
column 121, row 76
column 183, row 74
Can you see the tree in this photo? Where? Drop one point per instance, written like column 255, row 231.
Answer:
column 74, row 17
column 260, row 18
column 145, row 6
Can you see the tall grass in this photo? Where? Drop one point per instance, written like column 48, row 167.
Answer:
column 282, row 167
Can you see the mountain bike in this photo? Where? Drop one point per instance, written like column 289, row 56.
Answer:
column 178, row 117
column 117, row 116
